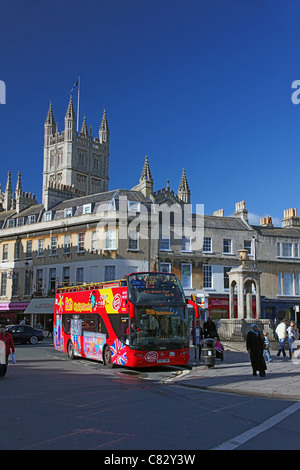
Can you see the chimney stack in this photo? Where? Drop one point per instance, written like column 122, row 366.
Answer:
column 219, row 213
column 266, row 221
column 241, row 211
column 290, row 218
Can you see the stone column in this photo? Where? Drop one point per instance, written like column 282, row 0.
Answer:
column 240, row 297
column 249, row 311
column 258, row 306
column 231, row 300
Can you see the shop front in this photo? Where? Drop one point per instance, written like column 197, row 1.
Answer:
column 218, row 307
column 279, row 309
column 12, row 313
column 272, row 309
column 39, row 312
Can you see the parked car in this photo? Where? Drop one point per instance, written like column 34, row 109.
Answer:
column 25, row 334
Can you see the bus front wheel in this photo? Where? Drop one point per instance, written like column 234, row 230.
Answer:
column 70, row 350
column 107, row 357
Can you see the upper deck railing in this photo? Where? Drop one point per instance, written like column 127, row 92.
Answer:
column 66, row 287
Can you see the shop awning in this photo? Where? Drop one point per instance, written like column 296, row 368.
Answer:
column 43, row 306
column 13, row 305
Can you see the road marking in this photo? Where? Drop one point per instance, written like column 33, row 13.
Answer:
column 246, row 436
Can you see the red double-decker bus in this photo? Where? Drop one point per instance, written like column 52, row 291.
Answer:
column 138, row 321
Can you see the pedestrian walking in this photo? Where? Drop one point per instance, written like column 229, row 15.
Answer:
column 197, row 335
column 291, row 338
column 6, row 338
column 267, row 353
column 255, row 347
column 50, row 327
column 281, row 335
column 210, row 329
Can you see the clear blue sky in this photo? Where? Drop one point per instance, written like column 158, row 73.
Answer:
column 203, row 85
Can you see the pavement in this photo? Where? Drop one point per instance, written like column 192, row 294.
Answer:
column 234, row 374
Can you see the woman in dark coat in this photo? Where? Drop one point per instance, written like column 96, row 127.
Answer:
column 255, row 347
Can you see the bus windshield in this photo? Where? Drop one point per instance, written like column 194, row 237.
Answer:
column 152, row 288
column 159, row 327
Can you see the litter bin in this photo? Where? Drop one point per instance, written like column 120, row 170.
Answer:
column 208, row 352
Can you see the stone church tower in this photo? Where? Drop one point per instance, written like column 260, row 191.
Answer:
column 75, row 164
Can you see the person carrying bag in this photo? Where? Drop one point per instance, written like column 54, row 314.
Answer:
column 6, row 346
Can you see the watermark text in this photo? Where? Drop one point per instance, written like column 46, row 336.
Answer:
column 2, row 92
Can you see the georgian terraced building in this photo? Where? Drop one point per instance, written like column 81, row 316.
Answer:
column 84, row 232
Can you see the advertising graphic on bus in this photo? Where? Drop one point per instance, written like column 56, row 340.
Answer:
column 139, row 321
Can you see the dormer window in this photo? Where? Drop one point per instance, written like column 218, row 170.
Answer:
column 20, row 221
column 87, row 209
column 134, row 206
column 69, row 212
column 48, row 215
column 32, row 219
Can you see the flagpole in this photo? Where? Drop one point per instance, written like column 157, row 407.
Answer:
column 78, row 103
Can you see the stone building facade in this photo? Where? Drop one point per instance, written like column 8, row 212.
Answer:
column 84, row 232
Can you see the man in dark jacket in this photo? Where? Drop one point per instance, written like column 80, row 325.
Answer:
column 210, row 329
column 255, row 347
column 7, row 339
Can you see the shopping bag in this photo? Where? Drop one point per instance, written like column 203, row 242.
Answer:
column 13, row 358
column 3, row 367
column 2, row 353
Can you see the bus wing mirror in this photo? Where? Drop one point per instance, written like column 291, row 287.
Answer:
column 195, row 307
column 131, row 309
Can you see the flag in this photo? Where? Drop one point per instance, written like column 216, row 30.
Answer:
column 75, row 84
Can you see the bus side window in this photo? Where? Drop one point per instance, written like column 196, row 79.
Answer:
column 124, row 329
column 66, row 322
column 89, row 322
column 101, row 327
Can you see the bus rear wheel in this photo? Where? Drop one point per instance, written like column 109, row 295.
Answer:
column 70, row 350
column 107, row 357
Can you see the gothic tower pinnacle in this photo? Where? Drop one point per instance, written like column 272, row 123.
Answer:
column 18, row 189
column 49, row 126
column 146, row 181
column 104, row 130
column 146, row 172
column 184, row 192
column 84, row 129
column 70, row 121
column 8, row 194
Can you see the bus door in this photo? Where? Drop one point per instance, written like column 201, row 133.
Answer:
column 76, row 333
